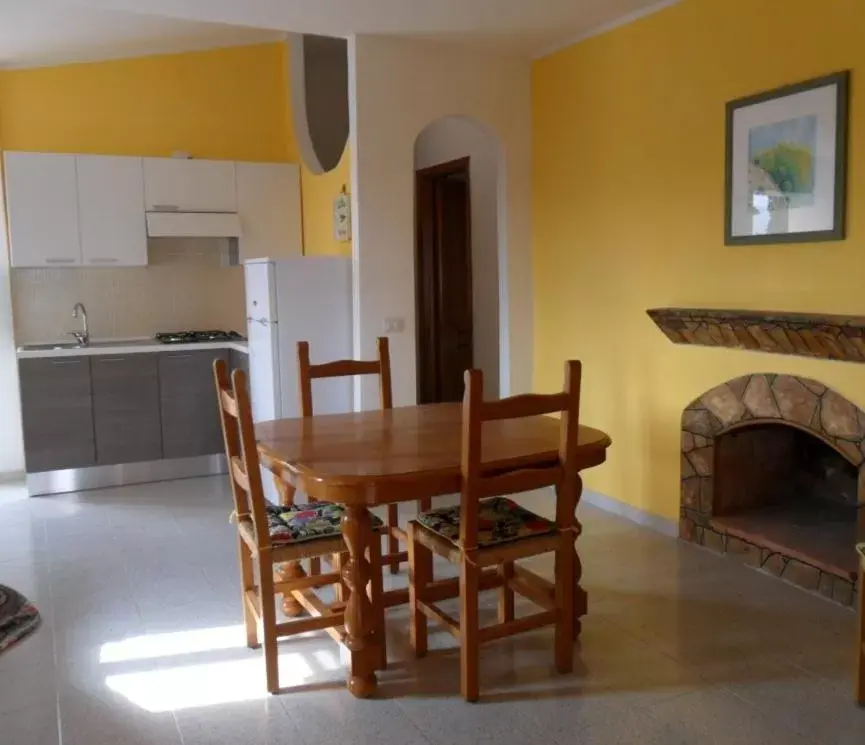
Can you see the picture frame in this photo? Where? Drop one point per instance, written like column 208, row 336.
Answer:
column 786, row 163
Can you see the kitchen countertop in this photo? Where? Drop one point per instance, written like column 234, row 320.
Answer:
column 129, row 346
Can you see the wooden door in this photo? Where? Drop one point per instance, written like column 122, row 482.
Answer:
column 444, row 281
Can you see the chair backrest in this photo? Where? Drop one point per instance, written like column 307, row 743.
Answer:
column 342, row 368
column 562, row 474
column 241, row 451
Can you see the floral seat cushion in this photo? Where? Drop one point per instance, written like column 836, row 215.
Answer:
column 500, row 520
column 306, row 522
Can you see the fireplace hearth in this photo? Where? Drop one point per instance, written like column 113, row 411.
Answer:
column 772, row 475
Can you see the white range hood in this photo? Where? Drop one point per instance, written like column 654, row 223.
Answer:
column 193, row 225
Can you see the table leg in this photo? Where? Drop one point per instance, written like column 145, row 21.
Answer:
column 581, row 597
column 360, row 620
column 290, row 569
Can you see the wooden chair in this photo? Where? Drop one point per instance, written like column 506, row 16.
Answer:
column 860, row 644
column 269, row 535
column 343, row 368
column 487, row 530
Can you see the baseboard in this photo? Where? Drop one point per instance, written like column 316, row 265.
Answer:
column 12, row 477
column 629, row 512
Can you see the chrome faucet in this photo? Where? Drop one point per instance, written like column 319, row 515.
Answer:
column 83, row 337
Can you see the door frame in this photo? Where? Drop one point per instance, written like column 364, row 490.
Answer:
column 425, row 270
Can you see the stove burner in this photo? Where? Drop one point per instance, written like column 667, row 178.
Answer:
column 196, row 337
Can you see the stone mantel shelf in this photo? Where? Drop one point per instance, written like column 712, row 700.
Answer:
column 828, row 337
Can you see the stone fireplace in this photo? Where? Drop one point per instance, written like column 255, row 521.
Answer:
column 772, row 473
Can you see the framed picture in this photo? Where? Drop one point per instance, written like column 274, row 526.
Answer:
column 787, row 163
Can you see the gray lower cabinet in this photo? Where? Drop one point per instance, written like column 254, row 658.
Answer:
column 190, row 417
column 57, row 409
column 126, row 408
column 239, row 361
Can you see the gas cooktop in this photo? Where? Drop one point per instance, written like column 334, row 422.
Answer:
column 197, row 337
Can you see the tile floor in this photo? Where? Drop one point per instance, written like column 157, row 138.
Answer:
column 142, row 644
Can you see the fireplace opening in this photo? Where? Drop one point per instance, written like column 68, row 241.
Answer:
column 786, row 490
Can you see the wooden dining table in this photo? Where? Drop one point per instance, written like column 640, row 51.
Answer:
column 380, row 457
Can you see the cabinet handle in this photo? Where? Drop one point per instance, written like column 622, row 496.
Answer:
column 112, row 359
column 179, row 356
column 60, row 261
column 103, row 261
column 66, row 362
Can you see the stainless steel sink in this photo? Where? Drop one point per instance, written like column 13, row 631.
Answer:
column 121, row 343
column 49, row 347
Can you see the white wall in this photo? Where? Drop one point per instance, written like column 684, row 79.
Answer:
column 396, row 88
column 11, row 436
column 446, row 140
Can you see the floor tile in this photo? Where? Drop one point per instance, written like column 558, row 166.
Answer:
column 143, row 643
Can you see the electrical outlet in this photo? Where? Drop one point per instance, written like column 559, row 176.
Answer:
column 394, row 325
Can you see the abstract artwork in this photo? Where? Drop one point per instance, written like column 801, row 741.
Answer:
column 786, row 158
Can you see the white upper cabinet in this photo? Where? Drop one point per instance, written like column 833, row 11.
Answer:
column 111, row 211
column 189, row 185
column 268, row 200
column 42, row 206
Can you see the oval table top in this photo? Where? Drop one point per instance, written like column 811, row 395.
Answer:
column 378, row 456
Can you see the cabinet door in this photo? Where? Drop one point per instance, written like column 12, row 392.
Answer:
column 111, row 211
column 190, row 417
column 57, row 412
column 189, row 185
column 268, row 200
column 42, row 205
column 126, row 408
column 239, row 361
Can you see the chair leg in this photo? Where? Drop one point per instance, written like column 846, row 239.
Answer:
column 377, row 592
column 506, row 594
column 247, row 584
column 339, row 561
column 420, row 572
column 314, row 566
column 469, row 631
column 268, row 621
column 565, row 579
column 860, row 644
column 392, row 540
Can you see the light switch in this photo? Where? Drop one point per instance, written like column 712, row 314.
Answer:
column 394, row 325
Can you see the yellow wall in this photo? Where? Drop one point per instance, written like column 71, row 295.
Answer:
column 628, row 189
column 225, row 103
column 318, row 195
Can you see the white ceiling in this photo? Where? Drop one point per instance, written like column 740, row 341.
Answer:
column 36, row 32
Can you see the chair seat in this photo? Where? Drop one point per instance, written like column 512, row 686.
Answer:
column 500, row 520
column 297, row 523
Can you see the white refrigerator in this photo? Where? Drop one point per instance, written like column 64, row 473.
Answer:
column 290, row 300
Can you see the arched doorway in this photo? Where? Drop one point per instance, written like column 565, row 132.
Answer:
column 458, row 245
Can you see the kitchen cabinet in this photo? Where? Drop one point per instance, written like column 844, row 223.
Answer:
column 184, row 185
column 239, row 361
column 126, row 415
column 268, row 200
column 111, row 211
column 42, row 209
column 57, row 409
column 190, row 416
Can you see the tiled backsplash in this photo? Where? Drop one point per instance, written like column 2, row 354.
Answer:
column 188, row 285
